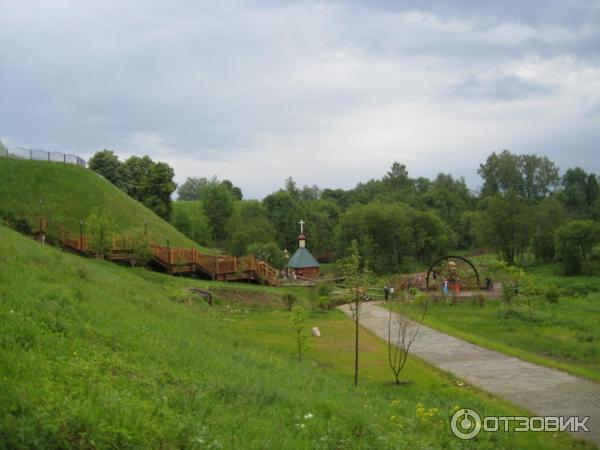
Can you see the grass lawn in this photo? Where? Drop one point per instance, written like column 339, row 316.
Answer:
column 94, row 355
column 396, row 409
column 69, row 193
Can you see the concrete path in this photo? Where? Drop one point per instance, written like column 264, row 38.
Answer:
column 540, row 390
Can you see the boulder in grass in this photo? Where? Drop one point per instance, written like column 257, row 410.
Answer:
column 315, row 332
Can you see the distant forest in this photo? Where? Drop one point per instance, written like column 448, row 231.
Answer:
column 526, row 210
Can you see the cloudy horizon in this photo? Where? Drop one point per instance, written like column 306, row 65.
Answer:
column 330, row 93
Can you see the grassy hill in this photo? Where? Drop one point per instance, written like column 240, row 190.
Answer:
column 69, row 194
column 94, row 355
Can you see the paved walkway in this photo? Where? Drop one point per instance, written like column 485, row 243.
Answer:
column 540, row 390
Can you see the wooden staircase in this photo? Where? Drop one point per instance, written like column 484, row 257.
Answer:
column 182, row 260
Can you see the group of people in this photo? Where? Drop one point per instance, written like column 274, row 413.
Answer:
column 457, row 287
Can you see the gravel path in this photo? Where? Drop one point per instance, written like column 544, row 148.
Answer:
column 541, row 390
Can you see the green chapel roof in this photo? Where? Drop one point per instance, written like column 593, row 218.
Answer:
column 302, row 259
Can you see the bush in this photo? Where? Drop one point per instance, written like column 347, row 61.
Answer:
column 324, row 289
column 508, row 294
column 552, row 295
column 289, row 300
column 99, row 226
column 574, row 243
column 329, row 303
column 21, row 225
column 268, row 252
column 15, row 222
column 578, row 290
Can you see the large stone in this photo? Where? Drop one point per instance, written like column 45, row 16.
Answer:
column 315, row 332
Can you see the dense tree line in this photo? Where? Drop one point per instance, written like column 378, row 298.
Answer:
column 149, row 182
column 525, row 207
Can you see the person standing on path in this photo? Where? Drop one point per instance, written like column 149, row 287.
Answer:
column 386, row 292
column 445, row 288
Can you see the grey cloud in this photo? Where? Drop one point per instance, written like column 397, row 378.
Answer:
column 502, row 88
column 594, row 111
column 207, row 80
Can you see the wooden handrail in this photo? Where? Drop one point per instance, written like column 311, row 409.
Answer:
column 181, row 258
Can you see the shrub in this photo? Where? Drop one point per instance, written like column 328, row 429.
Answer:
column 21, row 225
column 552, row 295
column 289, row 300
column 15, row 222
column 574, row 243
column 100, row 228
column 508, row 294
column 324, row 289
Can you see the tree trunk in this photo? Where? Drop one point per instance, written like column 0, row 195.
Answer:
column 356, row 342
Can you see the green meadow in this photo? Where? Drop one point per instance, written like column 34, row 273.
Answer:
column 68, row 194
column 94, row 355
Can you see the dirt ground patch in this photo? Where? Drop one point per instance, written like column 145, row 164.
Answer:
column 247, row 297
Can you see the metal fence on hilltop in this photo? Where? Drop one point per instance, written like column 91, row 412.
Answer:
column 42, row 155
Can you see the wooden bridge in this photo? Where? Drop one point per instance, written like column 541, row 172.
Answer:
column 181, row 260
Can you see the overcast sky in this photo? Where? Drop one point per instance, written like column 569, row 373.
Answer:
column 331, row 93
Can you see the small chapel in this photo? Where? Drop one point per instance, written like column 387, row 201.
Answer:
column 302, row 263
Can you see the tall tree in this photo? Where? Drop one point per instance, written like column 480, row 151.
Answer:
column 135, row 170
column 284, row 212
column 449, row 197
column 217, row 202
column 429, row 235
column 384, row 233
column 507, row 226
column 397, row 177
column 235, row 191
column 191, row 189
column 107, row 164
column 530, row 176
column 547, row 217
column 580, row 189
column 191, row 220
column 500, row 173
column 540, row 176
column 157, row 188
column 247, row 225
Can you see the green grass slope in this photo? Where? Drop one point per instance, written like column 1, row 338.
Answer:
column 69, row 194
column 94, row 355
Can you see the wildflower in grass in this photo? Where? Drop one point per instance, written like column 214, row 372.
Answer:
column 425, row 414
column 299, row 425
column 308, row 416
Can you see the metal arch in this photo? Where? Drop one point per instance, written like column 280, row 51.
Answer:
column 451, row 257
